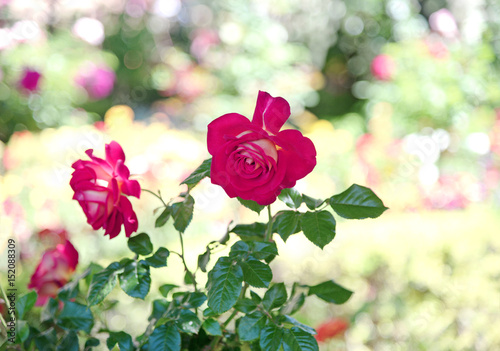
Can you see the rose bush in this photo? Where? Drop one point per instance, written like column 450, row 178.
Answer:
column 254, row 160
column 100, row 187
column 54, row 270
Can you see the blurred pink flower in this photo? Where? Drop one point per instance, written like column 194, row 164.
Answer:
column 54, row 271
column 30, row 79
column 100, row 187
column 383, row 67
column 443, row 22
column 203, row 40
column 98, row 81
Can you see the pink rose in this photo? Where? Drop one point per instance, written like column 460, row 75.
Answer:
column 100, row 186
column 254, row 160
column 383, row 67
column 54, row 270
column 98, row 81
column 30, row 79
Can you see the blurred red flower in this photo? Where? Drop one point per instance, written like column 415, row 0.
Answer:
column 331, row 329
column 30, row 79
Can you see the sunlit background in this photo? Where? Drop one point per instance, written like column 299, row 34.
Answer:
column 402, row 96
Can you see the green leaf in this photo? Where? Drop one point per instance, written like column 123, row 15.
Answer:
column 188, row 322
column 203, row 260
column 312, row 203
column 296, row 339
column 287, row 223
column 195, row 299
column 270, row 338
column 49, row 310
column 357, row 202
column 75, row 316
column 224, row 285
column 294, row 304
column 121, row 338
column 165, row 289
column 69, row 342
column 165, row 338
column 140, row 244
column 23, row 331
column 245, row 305
column 46, row 340
column 291, row 197
column 318, row 227
column 199, row 173
column 25, row 303
column 159, row 308
column 209, row 313
column 295, row 323
column 239, row 248
column 135, row 279
column 159, row 258
column 212, row 327
column 263, row 250
column 255, row 298
column 70, row 290
column 250, row 231
column 102, row 283
column 91, row 342
column 251, row 205
column 163, row 217
column 330, row 292
column 182, row 212
column 188, row 278
column 250, row 326
column 256, row 273
column 275, row 296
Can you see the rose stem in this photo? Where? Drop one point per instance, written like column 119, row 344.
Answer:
column 269, row 231
column 184, row 262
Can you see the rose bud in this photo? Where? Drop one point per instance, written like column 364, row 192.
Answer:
column 54, row 270
column 100, row 187
column 255, row 160
column 331, row 329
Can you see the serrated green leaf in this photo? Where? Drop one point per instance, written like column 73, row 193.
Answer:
column 263, row 250
column 159, row 258
column 159, row 308
column 318, row 227
column 25, row 303
column 209, row 313
column 287, row 223
column 163, row 217
column 203, row 260
column 91, row 342
column 102, row 283
column 23, row 331
column 330, row 292
column 251, row 205
column 255, row 298
column 182, row 212
column 256, row 273
column 49, row 310
column 195, row 299
column 291, row 197
column 75, row 316
column 121, row 338
column 165, row 338
column 275, row 296
column 357, row 202
column 46, row 340
column 188, row 322
column 295, row 323
column 199, row 173
column 250, row 326
column 296, row 339
column 293, row 305
column 312, row 203
column 135, row 280
column 224, row 285
column 245, row 305
column 212, row 327
column 69, row 342
column 70, row 290
column 140, row 244
column 165, row 289
column 271, row 338
column 250, row 231
column 239, row 248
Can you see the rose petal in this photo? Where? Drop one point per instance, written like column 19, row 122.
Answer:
column 231, row 124
column 114, row 153
column 129, row 217
column 270, row 113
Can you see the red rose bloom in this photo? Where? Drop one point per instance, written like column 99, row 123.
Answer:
column 54, row 270
column 254, row 160
column 100, row 186
column 331, row 329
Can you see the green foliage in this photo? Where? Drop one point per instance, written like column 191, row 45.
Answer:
column 25, row 303
column 318, row 227
column 256, row 273
column 291, row 197
column 140, row 244
column 224, row 285
column 199, row 173
column 250, row 326
column 102, row 283
column 165, row 338
column 212, row 327
column 251, row 205
column 287, row 223
column 163, row 217
column 75, row 316
column 69, row 342
column 121, row 338
column 159, row 258
column 331, row 292
column 182, row 213
column 135, row 280
column 357, row 202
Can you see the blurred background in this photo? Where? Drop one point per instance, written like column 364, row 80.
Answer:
column 402, row 96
